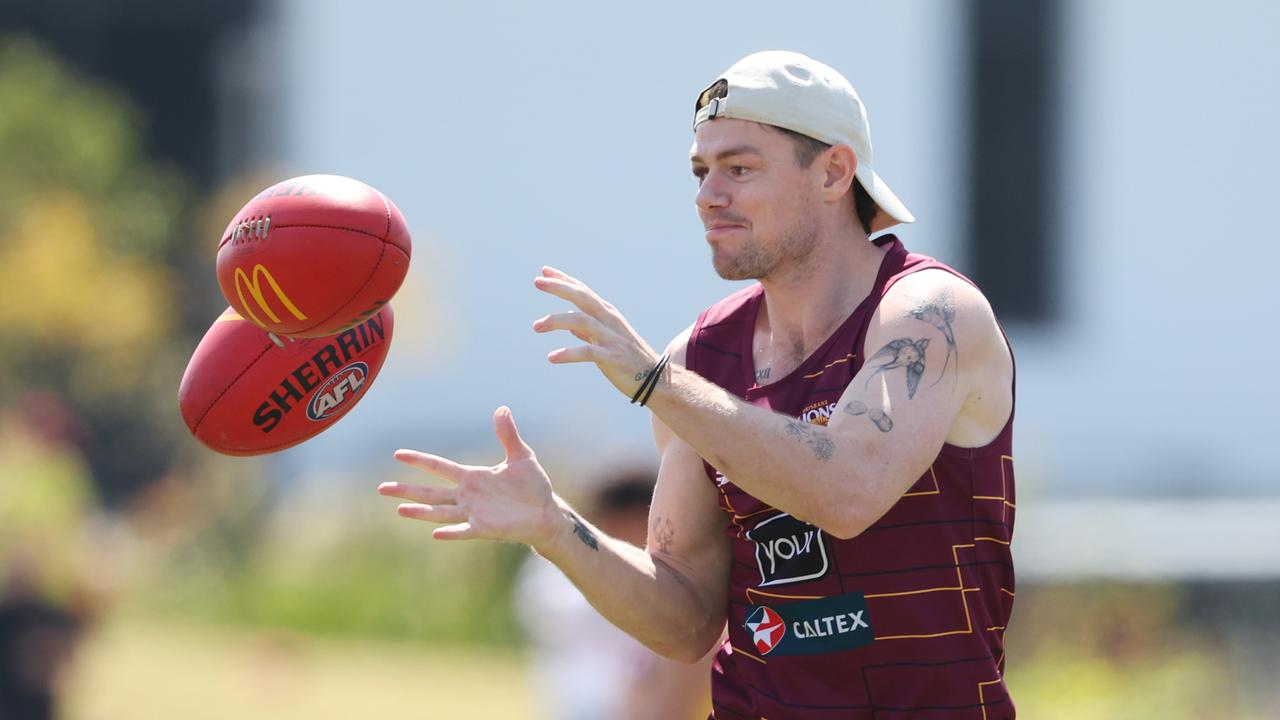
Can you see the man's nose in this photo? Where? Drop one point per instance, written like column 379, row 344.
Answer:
column 711, row 194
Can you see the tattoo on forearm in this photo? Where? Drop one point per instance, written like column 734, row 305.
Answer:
column 875, row 415
column 762, row 374
column 583, row 532
column 881, row 420
column 941, row 313
column 902, row 353
column 822, row 446
column 664, row 532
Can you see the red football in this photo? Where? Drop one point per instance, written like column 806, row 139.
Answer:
column 313, row 256
column 245, row 393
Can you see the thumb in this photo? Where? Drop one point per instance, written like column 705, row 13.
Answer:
column 504, row 425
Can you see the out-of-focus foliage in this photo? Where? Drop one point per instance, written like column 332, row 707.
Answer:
column 45, row 496
column 89, row 231
column 330, row 561
column 1104, row 651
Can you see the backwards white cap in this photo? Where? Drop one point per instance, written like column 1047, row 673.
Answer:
column 796, row 92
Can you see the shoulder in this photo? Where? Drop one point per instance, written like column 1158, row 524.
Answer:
column 729, row 308
column 939, row 298
column 678, row 348
column 951, row 323
column 722, row 319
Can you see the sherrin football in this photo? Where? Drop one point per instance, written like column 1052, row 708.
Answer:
column 313, row 256
column 247, row 393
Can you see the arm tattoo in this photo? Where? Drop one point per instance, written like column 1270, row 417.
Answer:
column 877, row 416
column 584, row 533
column 822, row 446
column 902, row 353
column 762, row 374
column 882, row 421
column 941, row 314
column 664, row 532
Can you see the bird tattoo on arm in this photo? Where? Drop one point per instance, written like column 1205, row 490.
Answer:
column 941, row 314
column 902, row 353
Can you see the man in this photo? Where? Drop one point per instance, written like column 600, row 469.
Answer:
column 836, row 478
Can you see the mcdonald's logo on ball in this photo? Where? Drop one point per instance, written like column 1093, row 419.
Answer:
column 313, row 256
column 253, row 283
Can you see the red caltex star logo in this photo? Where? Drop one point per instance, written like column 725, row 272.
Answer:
column 767, row 629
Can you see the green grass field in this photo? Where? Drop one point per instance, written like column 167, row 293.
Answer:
column 138, row 671
column 132, row 669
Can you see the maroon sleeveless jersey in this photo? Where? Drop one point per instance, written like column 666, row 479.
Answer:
column 907, row 619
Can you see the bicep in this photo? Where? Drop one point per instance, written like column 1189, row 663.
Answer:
column 685, row 521
column 911, row 386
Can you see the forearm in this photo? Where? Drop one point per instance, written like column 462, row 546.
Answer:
column 827, row 479
column 644, row 596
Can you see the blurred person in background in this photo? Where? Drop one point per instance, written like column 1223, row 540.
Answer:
column 586, row 668
column 836, row 483
column 38, row 638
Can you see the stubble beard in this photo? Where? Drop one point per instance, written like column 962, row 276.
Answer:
column 760, row 260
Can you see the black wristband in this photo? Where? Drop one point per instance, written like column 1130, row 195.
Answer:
column 654, row 378
column 650, row 379
column 657, row 374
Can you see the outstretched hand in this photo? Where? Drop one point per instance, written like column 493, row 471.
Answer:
column 512, row 500
column 611, row 343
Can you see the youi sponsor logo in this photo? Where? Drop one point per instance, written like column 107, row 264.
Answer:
column 788, row 550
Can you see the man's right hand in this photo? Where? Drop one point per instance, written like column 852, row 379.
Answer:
column 511, row 501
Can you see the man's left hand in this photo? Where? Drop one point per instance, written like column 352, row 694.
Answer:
column 620, row 353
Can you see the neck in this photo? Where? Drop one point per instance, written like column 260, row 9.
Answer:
column 804, row 305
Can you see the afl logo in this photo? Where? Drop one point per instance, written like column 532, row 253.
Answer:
column 337, row 391
column 766, row 627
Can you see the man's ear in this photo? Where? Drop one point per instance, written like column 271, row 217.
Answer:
column 840, row 164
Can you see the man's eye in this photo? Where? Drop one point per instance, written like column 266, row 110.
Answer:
column 700, row 175
column 739, row 170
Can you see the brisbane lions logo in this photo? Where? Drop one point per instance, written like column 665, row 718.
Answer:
column 818, row 413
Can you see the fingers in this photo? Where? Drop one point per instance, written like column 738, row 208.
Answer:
column 433, row 513
column 548, row 271
column 581, row 353
column 420, row 493
column 461, row 531
column 583, row 326
column 504, row 425
column 442, row 468
column 574, row 292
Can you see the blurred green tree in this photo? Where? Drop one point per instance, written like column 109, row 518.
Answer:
column 88, row 237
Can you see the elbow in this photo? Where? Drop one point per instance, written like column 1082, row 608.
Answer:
column 846, row 529
column 853, row 506
column 844, row 519
column 842, row 525
column 845, row 525
column 692, row 651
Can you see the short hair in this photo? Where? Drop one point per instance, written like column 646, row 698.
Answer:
column 807, row 149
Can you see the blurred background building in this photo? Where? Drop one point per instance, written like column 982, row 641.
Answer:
column 1102, row 169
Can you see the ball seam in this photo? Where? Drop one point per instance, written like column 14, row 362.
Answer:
column 222, row 243
column 228, row 387
column 382, row 253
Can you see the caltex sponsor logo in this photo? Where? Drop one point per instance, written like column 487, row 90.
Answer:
column 767, row 629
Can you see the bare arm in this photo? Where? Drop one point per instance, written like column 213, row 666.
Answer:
column 669, row 597
column 911, row 395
